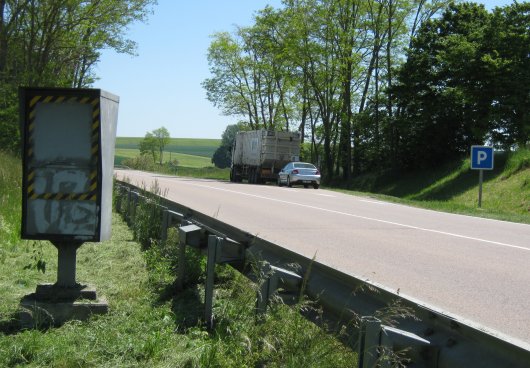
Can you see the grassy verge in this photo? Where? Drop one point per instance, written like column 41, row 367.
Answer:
column 149, row 324
column 454, row 188
column 204, row 173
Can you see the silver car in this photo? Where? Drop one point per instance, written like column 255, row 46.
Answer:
column 299, row 173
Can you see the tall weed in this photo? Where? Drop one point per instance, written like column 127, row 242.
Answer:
column 10, row 201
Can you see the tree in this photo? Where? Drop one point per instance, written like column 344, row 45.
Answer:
column 327, row 67
column 58, row 43
column 507, row 74
column 442, row 94
column 149, row 146
column 162, row 138
column 154, row 143
column 222, row 157
column 251, row 77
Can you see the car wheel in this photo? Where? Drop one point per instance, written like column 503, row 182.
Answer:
column 306, row 185
column 280, row 182
column 316, row 186
column 289, row 184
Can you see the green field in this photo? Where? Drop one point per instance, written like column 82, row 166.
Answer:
column 188, row 146
column 183, row 159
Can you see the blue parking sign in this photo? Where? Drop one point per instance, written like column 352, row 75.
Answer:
column 481, row 158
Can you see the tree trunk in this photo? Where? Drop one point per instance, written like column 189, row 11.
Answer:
column 3, row 39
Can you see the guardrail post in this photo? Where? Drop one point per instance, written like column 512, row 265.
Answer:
column 214, row 247
column 369, row 340
column 188, row 235
column 132, row 202
column 168, row 218
column 220, row 250
column 127, row 205
column 275, row 278
column 166, row 223
column 380, row 346
column 265, row 290
column 418, row 350
column 119, row 194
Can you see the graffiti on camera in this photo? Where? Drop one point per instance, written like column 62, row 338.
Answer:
column 63, row 212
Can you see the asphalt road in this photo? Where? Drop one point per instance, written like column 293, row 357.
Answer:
column 475, row 268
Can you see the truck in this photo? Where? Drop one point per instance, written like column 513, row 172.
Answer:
column 258, row 155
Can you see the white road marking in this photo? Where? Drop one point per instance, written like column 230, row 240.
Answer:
column 367, row 218
column 324, row 195
column 374, row 202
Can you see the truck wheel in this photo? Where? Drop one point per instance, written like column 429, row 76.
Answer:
column 289, row 184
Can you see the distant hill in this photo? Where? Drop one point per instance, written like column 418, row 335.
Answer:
column 189, row 146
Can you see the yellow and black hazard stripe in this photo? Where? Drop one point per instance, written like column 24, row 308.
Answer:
column 91, row 194
column 96, row 120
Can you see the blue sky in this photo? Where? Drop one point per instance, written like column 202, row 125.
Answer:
column 162, row 85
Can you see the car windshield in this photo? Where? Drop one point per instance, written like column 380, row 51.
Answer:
column 304, row 166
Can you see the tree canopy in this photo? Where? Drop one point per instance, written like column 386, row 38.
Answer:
column 57, row 43
column 222, row 156
column 378, row 84
column 154, row 143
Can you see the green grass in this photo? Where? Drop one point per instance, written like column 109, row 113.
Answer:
column 185, row 160
column 138, row 331
column 10, row 199
column 454, row 188
column 149, row 324
column 189, row 146
column 204, row 173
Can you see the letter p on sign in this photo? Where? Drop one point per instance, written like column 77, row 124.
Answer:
column 481, row 158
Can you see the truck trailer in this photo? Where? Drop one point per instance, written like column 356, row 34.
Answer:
column 258, row 155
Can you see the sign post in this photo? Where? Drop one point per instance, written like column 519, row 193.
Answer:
column 68, row 161
column 481, row 159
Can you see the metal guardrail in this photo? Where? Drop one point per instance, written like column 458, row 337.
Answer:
column 433, row 339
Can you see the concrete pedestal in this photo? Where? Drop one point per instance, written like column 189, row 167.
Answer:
column 53, row 305
column 66, row 300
